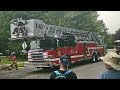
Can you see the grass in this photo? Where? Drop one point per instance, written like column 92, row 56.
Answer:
column 20, row 62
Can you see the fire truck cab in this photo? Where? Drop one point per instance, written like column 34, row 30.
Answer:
column 117, row 46
column 49, row 42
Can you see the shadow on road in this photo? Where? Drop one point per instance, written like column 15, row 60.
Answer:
column 50, row 70
column 41, row 70
column 79, row 63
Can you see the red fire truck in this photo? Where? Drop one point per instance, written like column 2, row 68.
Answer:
column 49, row 42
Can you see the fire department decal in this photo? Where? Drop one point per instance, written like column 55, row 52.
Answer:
column 72, row 51
column 19, row 30
column 59, row 53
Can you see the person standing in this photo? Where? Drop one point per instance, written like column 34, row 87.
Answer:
column 112, row 63
column 13, row 60
column 63, row 72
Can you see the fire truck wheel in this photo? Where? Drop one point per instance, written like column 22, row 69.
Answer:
column 38, row 67
column 93, row 58
column 98, row 55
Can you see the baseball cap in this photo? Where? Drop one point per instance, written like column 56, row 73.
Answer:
column 64, row 60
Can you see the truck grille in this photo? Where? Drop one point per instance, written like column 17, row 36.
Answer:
column 37, row 55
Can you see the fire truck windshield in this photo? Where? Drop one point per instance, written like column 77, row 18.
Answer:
column 117, row 46
column 49, row 43
column 52, row 43
column 46, row 44
column 117, row 43
column 34, row 44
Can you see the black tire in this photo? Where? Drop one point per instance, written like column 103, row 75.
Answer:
column 38, row 67
column 97, row 57
column 94, row 58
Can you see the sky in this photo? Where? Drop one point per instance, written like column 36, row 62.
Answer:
column 111, row 20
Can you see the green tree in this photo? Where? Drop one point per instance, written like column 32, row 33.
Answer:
column 117, row 34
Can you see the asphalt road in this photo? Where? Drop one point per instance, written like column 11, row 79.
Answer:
column 83, row 71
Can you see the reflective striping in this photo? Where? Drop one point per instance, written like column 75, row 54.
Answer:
column 73, row 56
column 95, row 47
column 87, row 42
column 32, row 64
column 55, row 59
column 79, row 56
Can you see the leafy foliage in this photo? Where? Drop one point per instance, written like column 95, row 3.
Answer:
column 117, row 35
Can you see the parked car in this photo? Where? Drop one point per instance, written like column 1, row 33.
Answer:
column 1, row 54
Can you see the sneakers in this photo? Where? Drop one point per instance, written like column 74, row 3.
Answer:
column 12, row 68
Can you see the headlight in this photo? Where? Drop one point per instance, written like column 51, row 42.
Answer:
column 29, row 53
column 29, row 56
column 45, row 56
column 45, row 53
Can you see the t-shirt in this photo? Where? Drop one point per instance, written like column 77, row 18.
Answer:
column 13, row 58
column 111, row 74
column 71, row 75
